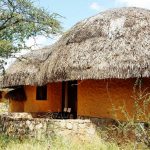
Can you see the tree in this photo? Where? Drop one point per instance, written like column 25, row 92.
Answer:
column 20, row 20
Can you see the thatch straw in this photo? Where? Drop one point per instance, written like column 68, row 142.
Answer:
column 17, row 94
column 112, row 44
column 25, row 69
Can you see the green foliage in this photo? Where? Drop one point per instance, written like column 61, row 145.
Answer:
column 11, row 143
column 20, row 20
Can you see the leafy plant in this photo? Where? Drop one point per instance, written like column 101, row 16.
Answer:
column 20, row 20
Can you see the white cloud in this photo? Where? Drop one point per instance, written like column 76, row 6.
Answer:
column 95, row 6
column 135, row 3
column 40, row 41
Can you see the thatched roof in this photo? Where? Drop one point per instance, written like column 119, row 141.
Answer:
column 112, row 44
column 25, row 70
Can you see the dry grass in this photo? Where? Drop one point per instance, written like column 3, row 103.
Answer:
column 4, row 106
column 57, row 143
column 66, row 143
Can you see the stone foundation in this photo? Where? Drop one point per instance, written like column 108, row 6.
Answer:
column 84, row 128
column 23, row 124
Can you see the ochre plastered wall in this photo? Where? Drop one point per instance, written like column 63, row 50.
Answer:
column 52, row 104
column 16, row 106
column 105, row 98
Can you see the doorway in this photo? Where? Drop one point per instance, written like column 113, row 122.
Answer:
column 69, row 96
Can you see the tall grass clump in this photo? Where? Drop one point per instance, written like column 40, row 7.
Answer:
column 134, row 131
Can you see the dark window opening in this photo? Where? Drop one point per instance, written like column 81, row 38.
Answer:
column 41, row 92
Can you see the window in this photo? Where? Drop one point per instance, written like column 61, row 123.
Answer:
column 41, row 92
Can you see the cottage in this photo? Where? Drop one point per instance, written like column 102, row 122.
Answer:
column 99, row 68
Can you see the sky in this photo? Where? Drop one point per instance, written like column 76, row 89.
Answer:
column 74, row 11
